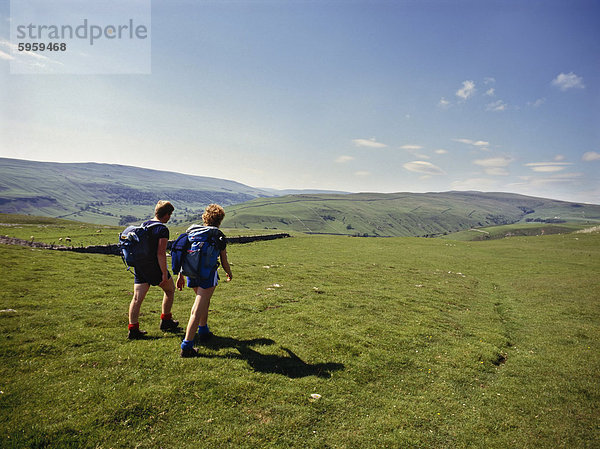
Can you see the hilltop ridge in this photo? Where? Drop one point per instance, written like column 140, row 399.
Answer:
column 114, row 194
column 108, row 193
column 402, row 214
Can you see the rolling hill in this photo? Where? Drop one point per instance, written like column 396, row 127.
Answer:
column 116, row 194
column 402, row 214
column 107, row 193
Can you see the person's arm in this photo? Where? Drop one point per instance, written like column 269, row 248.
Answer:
column 161, row 255
column 225, row 264
column 180, row 281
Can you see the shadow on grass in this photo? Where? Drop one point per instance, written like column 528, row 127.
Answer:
column 146, row 338
column 289, row 365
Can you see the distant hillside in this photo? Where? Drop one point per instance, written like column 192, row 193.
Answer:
column 107, row 193
column 518, row 230
column 276, row 192
column 402, row 214
column 115, row 194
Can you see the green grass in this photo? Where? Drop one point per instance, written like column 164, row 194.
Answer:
column 410, row 343
column 108, row 194
column 516, row 230
column 401, row 214
column 51, row 230
column 104, row 193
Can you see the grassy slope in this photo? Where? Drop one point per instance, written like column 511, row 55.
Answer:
column 399, row 214
column 515, row 230
column 76, row 190
column 414, row 343
column 105, row 193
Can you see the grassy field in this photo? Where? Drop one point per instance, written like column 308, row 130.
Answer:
column 409, row 343
column 401, row 214
column 516, row 230
column 52, row 230
column 109, row 195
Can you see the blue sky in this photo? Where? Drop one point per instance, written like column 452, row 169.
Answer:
column 356, row 96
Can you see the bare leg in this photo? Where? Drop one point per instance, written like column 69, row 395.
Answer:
column 169, row 288
column 139, row 293
column 199, row 315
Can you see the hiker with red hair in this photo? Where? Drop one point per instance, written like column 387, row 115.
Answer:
column 203, row 285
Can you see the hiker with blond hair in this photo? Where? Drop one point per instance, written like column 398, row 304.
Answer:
column 207, row 244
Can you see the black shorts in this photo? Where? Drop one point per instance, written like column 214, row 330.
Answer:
column 151, row 274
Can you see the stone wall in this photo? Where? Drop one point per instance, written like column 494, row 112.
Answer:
column 114, row 249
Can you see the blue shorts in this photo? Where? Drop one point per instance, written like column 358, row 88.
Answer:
column 212, row 281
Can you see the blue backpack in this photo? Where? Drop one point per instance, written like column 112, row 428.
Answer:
column 179, row 248
column 134, row 244
column 196, row 252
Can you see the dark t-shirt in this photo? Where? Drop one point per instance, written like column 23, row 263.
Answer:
column 157, row 232
column 151, row 272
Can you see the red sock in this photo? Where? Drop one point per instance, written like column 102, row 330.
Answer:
column 134, row 326
column 166, row 316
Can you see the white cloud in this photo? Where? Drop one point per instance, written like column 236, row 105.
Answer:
column 7, row 44
column 496, row 171
column 369, row 143
column 362, row 173
column 494, row 166
column 559, row 157
column 553, row 179
column 481, row 144
column 548, row 167
column 590, row 156
column 467, row 141
column 537, row 103
column 477, row 143
column 566, row 81
column 489, row 80
column 493, row 162
column 5, row 56
column 441, row 151
column 344, row 159
column 490, row 92
column 27, row 59
column 496, row 106
column 424, row 167
column 14, row 49
column 467, row 91
column 413, row 149
column 443, row 103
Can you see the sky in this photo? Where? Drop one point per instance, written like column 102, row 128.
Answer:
column 357, row 96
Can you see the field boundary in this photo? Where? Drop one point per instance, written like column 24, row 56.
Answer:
column 114, row 249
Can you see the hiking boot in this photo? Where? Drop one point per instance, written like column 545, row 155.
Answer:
column 202, row 338
column 136, row 334
column 169, row 325
column 188, row 353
